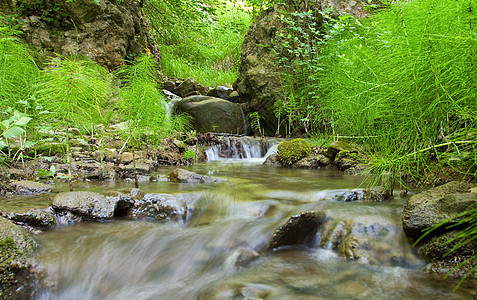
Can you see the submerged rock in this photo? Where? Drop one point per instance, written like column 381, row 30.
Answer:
column 86, row 204
column 38, row 218
column 19, row 275
column 183, row 176
column 163, row 206
column 436, row 205
column 298, row 230
column 25, row 187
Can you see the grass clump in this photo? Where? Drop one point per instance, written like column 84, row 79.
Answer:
column 402, row 83
column 290, row 152
column 210, row 50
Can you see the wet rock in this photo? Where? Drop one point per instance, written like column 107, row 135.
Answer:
column 65, row 218
column 25, row 187
column 163, row 206
column 201, row 89
column 38, row 218
column 375, row 194
column 245, row 256
column 86, row 204
column 298, row 230
column 271, row 160
column 313, row 162
column 183, row 176
column 256, row 291
column 107, row 172
column 186, row 87
column 19, row 275
column 436, row 205
column 212, row 114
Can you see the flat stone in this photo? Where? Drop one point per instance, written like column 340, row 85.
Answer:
column 26, row 187
column 87, row 204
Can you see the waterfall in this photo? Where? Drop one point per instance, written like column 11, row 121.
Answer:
column 240, row 148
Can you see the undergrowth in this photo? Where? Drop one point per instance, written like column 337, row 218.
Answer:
column 211, row 51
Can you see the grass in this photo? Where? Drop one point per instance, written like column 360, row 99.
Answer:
column 211, row 52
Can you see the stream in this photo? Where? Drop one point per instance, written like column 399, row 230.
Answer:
column 218, row 251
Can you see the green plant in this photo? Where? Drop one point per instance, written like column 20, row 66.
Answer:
column 255, row 123
column 18, row 71
column 292, row 151
column 14, row 128
column 188, row 154
column 74, row 90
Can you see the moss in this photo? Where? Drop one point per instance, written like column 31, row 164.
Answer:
column 290, row 152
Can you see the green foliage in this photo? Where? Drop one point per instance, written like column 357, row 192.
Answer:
column 255, row 123
column 18, row 71
column 292, row 151
column 209, row 48
column 402, row 81
column 74, row 90
column 296, row 48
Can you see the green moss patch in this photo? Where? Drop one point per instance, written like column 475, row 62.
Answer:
column 290, row 152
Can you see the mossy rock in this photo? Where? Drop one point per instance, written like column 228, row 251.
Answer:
column 290, row 152
column 19, row 276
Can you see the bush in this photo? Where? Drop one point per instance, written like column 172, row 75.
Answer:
column 290, row 152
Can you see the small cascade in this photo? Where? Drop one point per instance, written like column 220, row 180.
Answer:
column 240, row 148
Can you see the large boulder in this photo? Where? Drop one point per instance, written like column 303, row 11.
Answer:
column 435, row 205
column 213, row 114
column 259, row 82
column 107, row 31
column 19, row 274
column 86, row 204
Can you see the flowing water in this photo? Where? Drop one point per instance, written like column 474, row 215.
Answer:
column 217, row 253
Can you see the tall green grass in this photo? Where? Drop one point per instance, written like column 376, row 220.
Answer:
column 18, row 71
column 211, row 51
column 403, row 82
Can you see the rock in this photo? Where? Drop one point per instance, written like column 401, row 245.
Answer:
column 259, row 82
column 109, row 32
column 271, row 160
column 163, row 206
column 220, row 91
column 126, row 158
column 436, row 252
column 25, row 187
column 318, row 161
column 338, row 146
column 212, row 114
column 38, row 218
column 186, row 87
column 298, row 230
column 202, row 89
column 107, row 173
column 109, row 155
column 235, row 98
column 246, row 256
column 183, row 176
column 20, row 276
column 169, row 85
column 375, row 194
column 292, row 151
column 86, row 204
column 436, row 205
column 170, row 96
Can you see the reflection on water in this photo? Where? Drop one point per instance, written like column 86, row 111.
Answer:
column 218, row 253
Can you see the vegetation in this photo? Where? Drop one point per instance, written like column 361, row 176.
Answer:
column 292, row 151
column 206, row 48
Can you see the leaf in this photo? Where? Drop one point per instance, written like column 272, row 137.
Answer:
column 2, row 144
column 13, row 132
column 4, row 125
column 29, row 144
column 52, row 170
column 22, row 121
column 82, row 141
